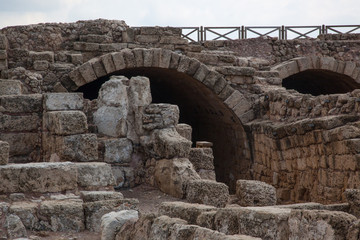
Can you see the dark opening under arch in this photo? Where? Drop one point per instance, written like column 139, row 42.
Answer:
column 317, row 82
column 199, row 107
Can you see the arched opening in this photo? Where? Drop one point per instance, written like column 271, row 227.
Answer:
column 199, row 107
column 317, row 82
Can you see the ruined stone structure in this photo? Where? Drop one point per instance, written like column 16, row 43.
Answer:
column 93, row 105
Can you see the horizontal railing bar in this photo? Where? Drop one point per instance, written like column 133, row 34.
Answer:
column 242, row 31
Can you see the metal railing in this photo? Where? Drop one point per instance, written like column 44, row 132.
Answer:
column 200, row 34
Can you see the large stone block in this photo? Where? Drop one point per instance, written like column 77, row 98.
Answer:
column 113, row 93
column 22, row 144
column 159, row 116
column 10, row 87
column 93, row 176
column 207, row 192
column 118, row 150
column 255, row 193
column 319, row 224
column 140, row 93
column 38, row 177
column 112, row 222
column 25, row 123
column 186, row 211
column 63, row 101
column 27, row 212
column 184, row 130
column 111, row 121
column 21, row 103
column 262, row 222
column 4, row 153
column 202, row 158
column 95, row 210
column 46, row 56
column 66, row 122
column 77, row 148
column 93, row 196
column 62, row 216
column 166, row 143
column 172, row 176
column 124, row 176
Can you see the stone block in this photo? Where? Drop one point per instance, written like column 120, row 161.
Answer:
column 166, row 143
column 165, row 58
column 319, row 224
column 4, row 153
column 108, row 63
column 86, row 47
column 94, row 176
column 186, row 211
column 234, row 99
column 118, row 150
column 139, row 57
column 349, row 68
column 77, row 148
column 62, row 216
column 15, row 228
column 140, row 93
column 129, row 58
column 10, row 87
column 207, row 192
column 184, row 130
column 112, row 222
column 207, row 174
column 11, row 123
column 147, row 38
column 76, row 58
column 93, row 196
column 202, row 158
column 161, row 227
column 236, row 71
column 87, row 72
column 77, row 78
column 38, row 177
column 328, row 63
column 3, row 64
column 172, row 176
column 17, row 197
column 41, row 65
column 353, row 198
column 95, row 210
column 119, row 61
column 98, row 67
column 65, row 122
column 255, row 193
column 45, row 56
column 113, row 93
column 124, row 176
column 21, row 144
column 21, row 103
column 63, row 101
column 27, row 212
column 158, row 116
column 111, row 121
column 262, row 222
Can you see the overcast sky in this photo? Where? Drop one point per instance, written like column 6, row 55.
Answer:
column 183, row 12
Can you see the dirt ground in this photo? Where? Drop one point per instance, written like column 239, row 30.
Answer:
column 149, row 198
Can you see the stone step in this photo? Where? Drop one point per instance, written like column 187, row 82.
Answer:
column 55, row 177
column 94, row 38
column 10, row 87
column 63, row 212
column 268, row 80
column 236, row 71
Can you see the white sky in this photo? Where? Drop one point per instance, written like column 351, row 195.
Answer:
column 183, row 12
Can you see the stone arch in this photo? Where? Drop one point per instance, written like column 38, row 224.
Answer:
column 219, row 110
column 319, row 75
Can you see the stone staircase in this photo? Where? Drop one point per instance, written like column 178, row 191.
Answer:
column 68, row 189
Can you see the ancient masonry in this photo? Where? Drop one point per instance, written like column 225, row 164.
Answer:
column 260, row 137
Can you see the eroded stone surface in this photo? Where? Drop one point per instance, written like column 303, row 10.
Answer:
column 255, row 193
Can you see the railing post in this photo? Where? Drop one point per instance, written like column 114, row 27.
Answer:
column 282, row 32
column 202, row 33
column 323, row 29
column 242, row 32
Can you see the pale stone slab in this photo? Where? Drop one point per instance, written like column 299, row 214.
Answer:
column 66, row 122
column 10, row 87
column 63, row 101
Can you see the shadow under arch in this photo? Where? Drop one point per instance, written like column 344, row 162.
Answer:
column 320, row 82
column 211, row 119
column 318, row 75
